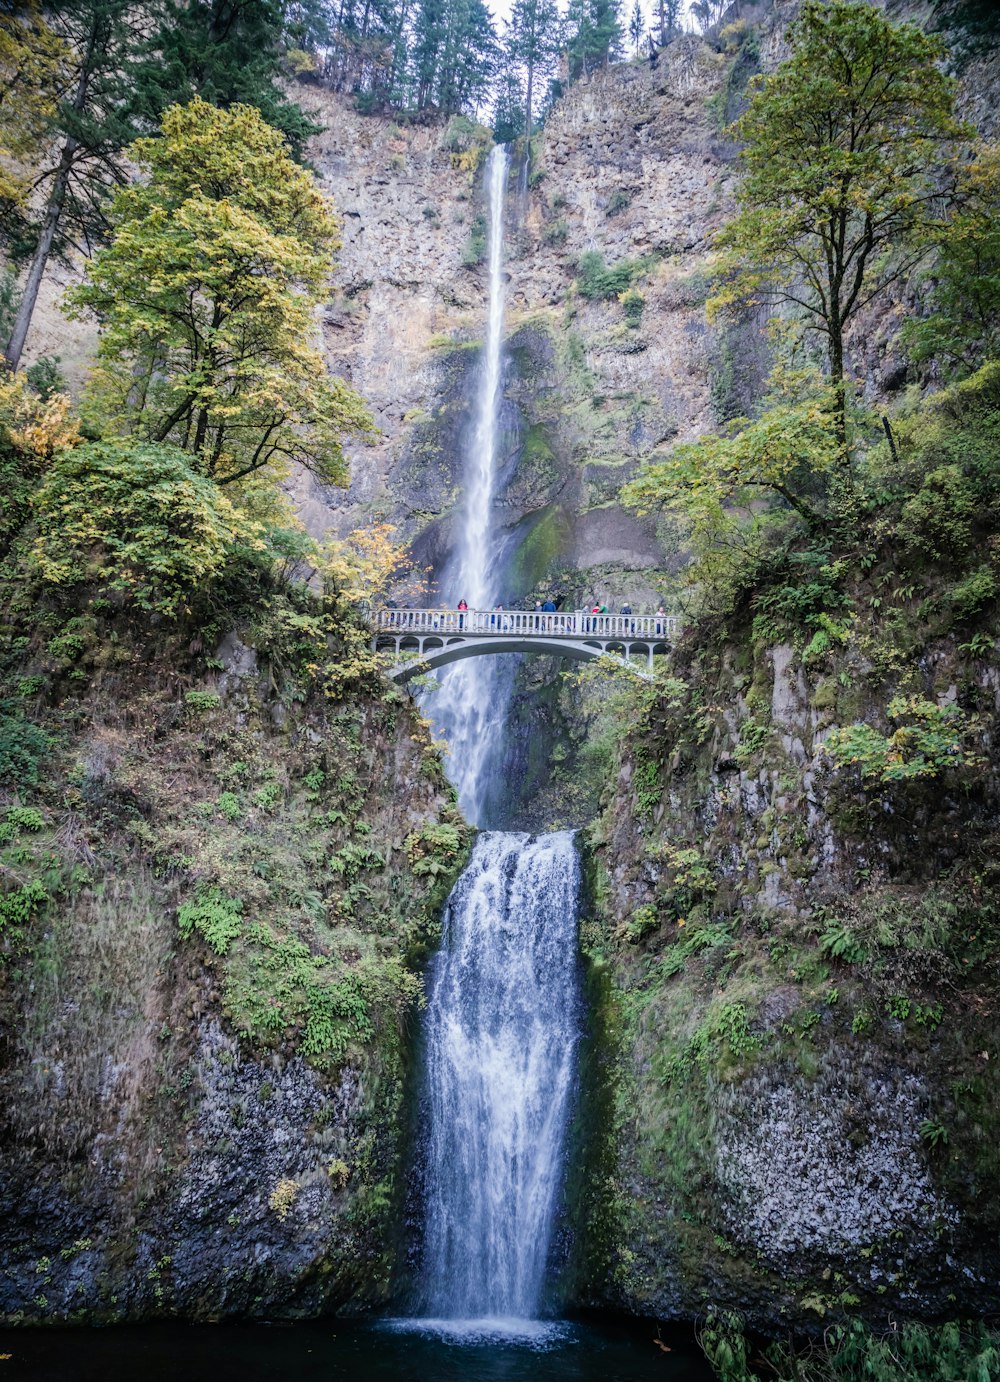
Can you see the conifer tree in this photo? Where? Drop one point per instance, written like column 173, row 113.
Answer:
column 89, row 126
column 227, row 52
column 636, row 26
column 533, row 40
column 595, row 34
column 668, row 12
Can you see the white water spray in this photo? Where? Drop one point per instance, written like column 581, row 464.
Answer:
column 469, row 708
column 501, row 1041
column 502, row 1019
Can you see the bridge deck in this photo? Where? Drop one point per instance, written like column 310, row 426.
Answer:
column 441, row 636
column 517, row 623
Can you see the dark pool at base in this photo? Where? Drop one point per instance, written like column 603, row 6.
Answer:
column 341, row 1351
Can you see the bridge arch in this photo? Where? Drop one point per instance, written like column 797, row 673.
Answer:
column 444, row 636
column 440, row 652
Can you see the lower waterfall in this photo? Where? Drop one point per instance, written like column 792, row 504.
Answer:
column 502, row 1031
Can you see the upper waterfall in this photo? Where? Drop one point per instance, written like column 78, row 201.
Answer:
column 469, row 708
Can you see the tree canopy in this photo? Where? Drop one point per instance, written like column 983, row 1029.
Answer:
column 843, row 150
column 205, row 298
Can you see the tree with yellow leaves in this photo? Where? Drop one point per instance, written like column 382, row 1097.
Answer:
column 206, row 295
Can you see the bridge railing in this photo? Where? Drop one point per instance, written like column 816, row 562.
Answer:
column 525, row 623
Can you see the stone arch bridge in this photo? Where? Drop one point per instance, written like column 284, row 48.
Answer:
column 441, row 636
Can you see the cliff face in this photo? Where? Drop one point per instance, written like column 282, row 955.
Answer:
column 214, row 918
column 800, row 972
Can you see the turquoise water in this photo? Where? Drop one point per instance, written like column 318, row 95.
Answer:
column 338, row 1351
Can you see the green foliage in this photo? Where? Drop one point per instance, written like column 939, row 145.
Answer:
column 853, row 1352
column 633, row 303
column 214, row 916
column 18, row 906
column 23, row 746
column 226, row 56
column 229, row 804
column 45, row 377
column 475, row 249
column 710, row 486
column 930, row 739
column 134, row 517
column 18, row 819
column 842, row 942
column 964, row 326
column 842, row 146
column 937, row 520
column 220, row 252
column 556, row 232
column 934, row 1134
column 435, row 850
column 597, row 281
column 201, row 701
column 618, row 201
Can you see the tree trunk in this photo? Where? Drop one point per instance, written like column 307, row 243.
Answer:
column 53, row 211
column 29, row 296
column 663, row 25
column 836, row 356
column 527, row 102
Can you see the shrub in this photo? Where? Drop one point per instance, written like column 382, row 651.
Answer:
column 632, row 302
column 283, row 1197
column 45, row 377
column 214, row 915
column 22, row 746
column 201, row 701
column 555, row 232
column 618, row 201
column 937, row 520
column 929, row 739
column 597, row 280
column 137, row 517
column 475, row 251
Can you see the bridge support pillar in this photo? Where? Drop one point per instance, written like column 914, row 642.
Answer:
column 650, row 657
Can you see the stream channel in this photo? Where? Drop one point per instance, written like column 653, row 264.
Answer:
column 503, row 1023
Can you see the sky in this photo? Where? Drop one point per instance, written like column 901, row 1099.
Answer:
column 501, row 11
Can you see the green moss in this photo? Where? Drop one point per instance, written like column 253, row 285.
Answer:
column 546, row 538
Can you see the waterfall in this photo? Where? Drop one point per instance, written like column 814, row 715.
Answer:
column 469, row 707
column 501, row 1040
column 502, row 1018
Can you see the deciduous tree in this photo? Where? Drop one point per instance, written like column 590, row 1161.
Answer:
column 964, row 326
column 205, row 298
column 843, row 150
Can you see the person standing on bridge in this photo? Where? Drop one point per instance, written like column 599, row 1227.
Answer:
column 661, row 615
column 463, row 606
column 626, row 610
column 549, row 608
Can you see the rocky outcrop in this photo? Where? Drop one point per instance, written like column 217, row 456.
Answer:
column 213, row 921
column 799, row 974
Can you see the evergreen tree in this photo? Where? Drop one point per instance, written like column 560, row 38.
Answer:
column 595, row 35
column 636, row 26
column 668, row 12
column 89, row 125
column 454, row 54
column 533, row 40
column 508, row 112
column 225, row 51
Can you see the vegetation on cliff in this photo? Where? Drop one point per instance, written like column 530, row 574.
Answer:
column 203, row 880
column 795, row 892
